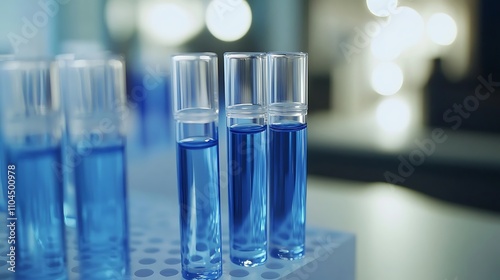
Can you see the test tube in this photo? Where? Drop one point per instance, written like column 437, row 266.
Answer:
column 31, row 132
column 288, row 153
column 195, row 89
column 247, row 157
column 93, row 91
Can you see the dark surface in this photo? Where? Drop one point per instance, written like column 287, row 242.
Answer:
column 466, row 184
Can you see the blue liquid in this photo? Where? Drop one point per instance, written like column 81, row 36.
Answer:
column 102, row 213
column 247, row 194
column 288, row 174
column 40, row 242
column 68, row 175
column 199, row 199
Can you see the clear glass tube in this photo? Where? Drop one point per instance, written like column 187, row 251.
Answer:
column 288, row 153
column 31, row 132
column 93, row 91
column 66, row 170
column 195, row 89
column 247, row 157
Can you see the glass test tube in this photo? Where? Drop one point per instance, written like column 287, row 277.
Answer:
column 288, row 153
column 247, row 157
column 31, row 132
column 93, row 91
column 195, row 89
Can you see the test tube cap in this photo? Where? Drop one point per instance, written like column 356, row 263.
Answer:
column 288, row 80
column 195, row 85
column 245, row 85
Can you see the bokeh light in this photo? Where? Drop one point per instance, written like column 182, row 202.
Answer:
column 404, row 29
column 387, row 78
column 409, row 26
column 386, row 46
column 393, row 115
column 442, row 29
column 170, row 22
column 120, row 19
column 228, row 20
column 381, row 8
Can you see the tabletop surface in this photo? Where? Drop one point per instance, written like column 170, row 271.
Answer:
column 402, row 234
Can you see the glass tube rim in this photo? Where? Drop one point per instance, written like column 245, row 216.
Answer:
column 71, row 60
column 191, row 56
column 244, row 55
column 286, row 54
column 12, row 63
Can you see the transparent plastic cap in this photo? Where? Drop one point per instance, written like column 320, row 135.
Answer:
column 30, row 110
column 91, row 85
column 288, row 81
column 195, row 86
column 245, row 85
column 25, row 89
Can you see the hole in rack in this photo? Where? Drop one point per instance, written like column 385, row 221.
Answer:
column 169, row 272
column 174, row 251
column 144, row 273
column 274, row 265
column 151, row 250
column 239, row 273
column 270, row 275
column 172, row 261
column 147, row 261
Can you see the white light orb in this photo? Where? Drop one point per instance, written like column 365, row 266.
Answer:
column 228, row 20
column 393, row 115
column 407, row 25
column 442, row 29
column 386, row 46
column 387, row 78
column 170, row 22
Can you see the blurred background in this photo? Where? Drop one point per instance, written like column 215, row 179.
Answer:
column 401, row 92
